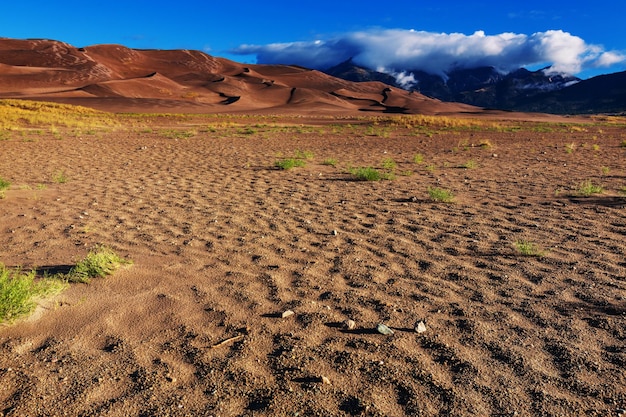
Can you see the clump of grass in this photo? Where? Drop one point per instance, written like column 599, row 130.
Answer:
column 60, row 177
column 587, row 188
column 471, row 164
column 528, row 248
column 370, row 174
column 605, row 170
column 440, row 195
column 304, row 154
column 418, row 158
column 4, row 184
column 330, row 161
column 289, row 163
column 389, row 164
column 98, row 263
column 623, row 144
column 19, row 292
column 569, row 148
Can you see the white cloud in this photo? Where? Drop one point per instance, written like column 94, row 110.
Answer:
column 398, row 50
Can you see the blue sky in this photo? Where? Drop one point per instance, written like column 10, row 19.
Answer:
column 586, row 38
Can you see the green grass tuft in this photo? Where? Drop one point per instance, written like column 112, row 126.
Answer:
column 20, row 290
column 440, row 195
column 4, row 184
column 98, row 263
column 586, row 188
column 527, row 248
column 289, row 163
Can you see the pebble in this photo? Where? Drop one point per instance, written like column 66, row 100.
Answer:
column 334, row 233
column 325, row 380
column 382, row 329
column 287, row 313
column 421, row 327
column 349, row 324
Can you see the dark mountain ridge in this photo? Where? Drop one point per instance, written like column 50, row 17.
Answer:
column 519, row 90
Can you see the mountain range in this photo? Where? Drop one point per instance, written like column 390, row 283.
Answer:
column 117, row 78
column 519, row 90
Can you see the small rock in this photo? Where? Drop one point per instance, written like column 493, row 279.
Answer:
column 349, row 324
column 334, row 233
column 421, row 327
column 382, row 329
column 287, row 313
column 325, row 380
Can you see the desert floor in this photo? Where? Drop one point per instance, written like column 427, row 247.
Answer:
column 223, row 243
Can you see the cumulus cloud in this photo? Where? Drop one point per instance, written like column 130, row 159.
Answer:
column 398, row 50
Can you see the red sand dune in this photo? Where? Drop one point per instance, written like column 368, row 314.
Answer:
column 113, row 77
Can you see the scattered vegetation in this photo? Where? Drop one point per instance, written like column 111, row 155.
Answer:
column 587, row 188
column 389, row 164
column 418, row 158
column 471, row 164
column 20, row 291
column 330, row 161
column 4, row 184
column 289, row 163
column 528, row 248
column 440, row 195
column 605, row 170
column 569, row 148
column 304, row 154
column 98, row 263
column 14, row 113
column 60, row 177
column 367, row 174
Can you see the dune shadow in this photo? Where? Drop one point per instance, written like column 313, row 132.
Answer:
column 605, row 201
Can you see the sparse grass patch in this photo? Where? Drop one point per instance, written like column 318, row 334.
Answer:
column 605, row 170
column 98, row 263
column 370, row 174
column 389, row 164
column 471, row 164
column 569, row 148
column 4, row 184
column 440, row 195
column 19, row 292
column 431, row 168
column 623, row 144
column 60, row 177
column 330, row 161
column 289, row 163
column 622, row 190
column 418, row 158
column 587, row 188
column 528, row 248
column 304, row 154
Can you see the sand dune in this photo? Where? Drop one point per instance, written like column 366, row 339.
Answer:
column 188, row 80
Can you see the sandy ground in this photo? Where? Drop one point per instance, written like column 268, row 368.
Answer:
column 223, row 243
